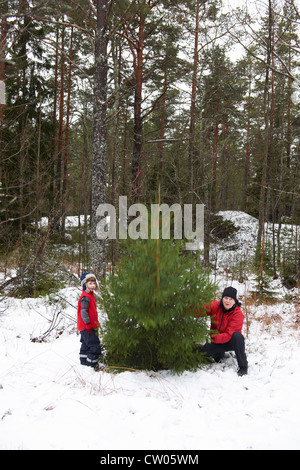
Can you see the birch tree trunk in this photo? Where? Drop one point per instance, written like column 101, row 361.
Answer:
column 97, row 247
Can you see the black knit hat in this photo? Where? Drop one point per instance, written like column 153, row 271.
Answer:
column 230, row 292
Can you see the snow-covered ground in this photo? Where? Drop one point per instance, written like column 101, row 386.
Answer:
column 49, row 401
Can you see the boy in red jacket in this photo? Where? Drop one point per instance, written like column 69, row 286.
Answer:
column 227, row 322
column 87, row 323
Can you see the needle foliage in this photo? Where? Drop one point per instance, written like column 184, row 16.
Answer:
column 150, row 323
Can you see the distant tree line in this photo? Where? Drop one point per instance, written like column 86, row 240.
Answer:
column 107, row 98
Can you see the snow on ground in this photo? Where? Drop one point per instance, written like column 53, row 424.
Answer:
column 49, row 401
column 240, row 247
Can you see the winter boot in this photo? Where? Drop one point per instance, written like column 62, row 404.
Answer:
column 242, row 371
column 99, row 367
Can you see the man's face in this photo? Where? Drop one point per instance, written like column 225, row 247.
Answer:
column 228, row 302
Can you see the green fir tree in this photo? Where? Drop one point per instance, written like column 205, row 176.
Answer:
column 149, row 303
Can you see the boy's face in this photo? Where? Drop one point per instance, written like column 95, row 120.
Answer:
column 91, row 285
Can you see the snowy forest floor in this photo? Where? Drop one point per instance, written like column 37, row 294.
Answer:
column 49, row 401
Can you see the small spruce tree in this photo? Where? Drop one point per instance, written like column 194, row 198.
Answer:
column 151, row 322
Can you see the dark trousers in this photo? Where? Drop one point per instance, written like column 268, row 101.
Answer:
column 90, row 348
column 236, row 344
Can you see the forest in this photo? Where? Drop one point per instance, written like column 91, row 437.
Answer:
column 182, row 101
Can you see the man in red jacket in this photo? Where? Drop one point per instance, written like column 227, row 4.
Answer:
column 227, row 323
column 87, row 323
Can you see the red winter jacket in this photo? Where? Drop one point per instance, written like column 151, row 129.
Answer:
column 89, row 319
column 226, row 322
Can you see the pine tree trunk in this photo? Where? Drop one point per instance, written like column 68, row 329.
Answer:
column 4, row 10
column 65, row 172
column 84, row 197
column 270, row 156
column 162, row 126
column 97, row 247
column 266, row 137
column 53, row 140
column 193, row 109
column 247, row 155
column 58, row 186
column 138, row 120
column 116, row 53
column 125, row 183
column 215, row 160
